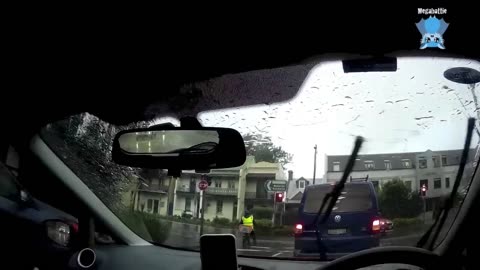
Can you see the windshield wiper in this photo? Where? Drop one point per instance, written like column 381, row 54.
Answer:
column 333, row 195
column 449, row 201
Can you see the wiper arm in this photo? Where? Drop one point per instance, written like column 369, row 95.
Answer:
column 449, row 201
column 333, row 195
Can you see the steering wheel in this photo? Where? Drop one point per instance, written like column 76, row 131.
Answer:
column 382, row 255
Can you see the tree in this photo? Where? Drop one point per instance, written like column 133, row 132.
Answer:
column 397, row 201
column 264, row 150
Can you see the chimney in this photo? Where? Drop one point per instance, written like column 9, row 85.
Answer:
column 290, row 175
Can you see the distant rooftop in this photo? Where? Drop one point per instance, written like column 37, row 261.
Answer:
column 393, row 161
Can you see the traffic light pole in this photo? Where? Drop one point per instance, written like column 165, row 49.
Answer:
column 202, row 211
column 424, row 209
column 274, row 212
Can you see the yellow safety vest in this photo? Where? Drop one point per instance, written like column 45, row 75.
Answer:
column 248, row 221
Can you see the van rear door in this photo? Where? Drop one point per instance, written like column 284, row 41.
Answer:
column 352, row 215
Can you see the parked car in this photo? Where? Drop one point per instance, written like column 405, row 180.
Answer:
column 386, row 226
column 31, row 225
column 353, row 225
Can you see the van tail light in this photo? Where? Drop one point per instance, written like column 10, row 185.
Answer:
column 376, row 225
column 298, row 228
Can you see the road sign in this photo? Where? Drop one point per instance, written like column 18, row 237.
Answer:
column 276, row 185
column 202, row 185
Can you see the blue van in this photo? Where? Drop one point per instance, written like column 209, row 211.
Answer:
column 353, row 225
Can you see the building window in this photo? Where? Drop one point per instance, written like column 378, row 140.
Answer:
column 188, row 204
column 388, row 165
column 447, row 182
column 406, row 163
column 149, row 205
column 219, row 206
column 369, row 165
column 437, row 183
column 436, row 161
column 422, row 162
column 302, row 184
column 424, row 182
column 231, row 184
column 218, row 184
column 336, row 166
column 155, row 206
column 408, row 184
column 444, row 161
column 162, row 204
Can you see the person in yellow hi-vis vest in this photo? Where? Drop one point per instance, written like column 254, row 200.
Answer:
column 248, row 220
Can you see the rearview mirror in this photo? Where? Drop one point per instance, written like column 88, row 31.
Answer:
column 179, row 148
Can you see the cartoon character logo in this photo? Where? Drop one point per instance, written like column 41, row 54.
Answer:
column 432, row 30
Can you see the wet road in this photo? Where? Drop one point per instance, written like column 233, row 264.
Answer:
column 187, row 235
column 284, row 247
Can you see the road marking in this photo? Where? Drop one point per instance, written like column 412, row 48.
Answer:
column 261, row 247
column 275, row 255
column 247, row 249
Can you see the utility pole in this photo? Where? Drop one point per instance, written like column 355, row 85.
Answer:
column 314, row 163
column 171, row 195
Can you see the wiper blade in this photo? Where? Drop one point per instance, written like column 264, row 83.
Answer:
column 449, row 201
column 333, row 195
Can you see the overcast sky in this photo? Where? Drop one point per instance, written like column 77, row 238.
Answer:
column 413, row 109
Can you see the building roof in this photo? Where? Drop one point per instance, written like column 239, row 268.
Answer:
column 297, row 196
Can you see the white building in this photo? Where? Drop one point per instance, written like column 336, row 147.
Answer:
column 434, row 169
column 230, row 192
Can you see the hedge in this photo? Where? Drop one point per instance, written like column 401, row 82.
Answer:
column 406, row 222
column 262, row 212
column 145, row 225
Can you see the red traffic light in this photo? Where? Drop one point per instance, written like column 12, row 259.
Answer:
column 423, row 190
column 279, row 197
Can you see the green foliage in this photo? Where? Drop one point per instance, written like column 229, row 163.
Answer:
column 221, row 221
column 406, row 222
column 397, row 201
column 145, row 225
column 283, row 231
column 262, row 212
column 264, row 150
column 84, row 143
column 263, row 224
column 158, row 230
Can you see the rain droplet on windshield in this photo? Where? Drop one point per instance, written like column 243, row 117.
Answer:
column 389, row 102
column 423, row 117
column 348, row 97
column 369, row 100
column 335, row 105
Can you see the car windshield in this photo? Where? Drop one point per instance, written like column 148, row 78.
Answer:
column 414, row 122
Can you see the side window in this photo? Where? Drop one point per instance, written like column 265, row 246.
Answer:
column 8, row 187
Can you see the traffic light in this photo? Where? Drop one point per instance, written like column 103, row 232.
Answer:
column 423, row 191
column 279, row 197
